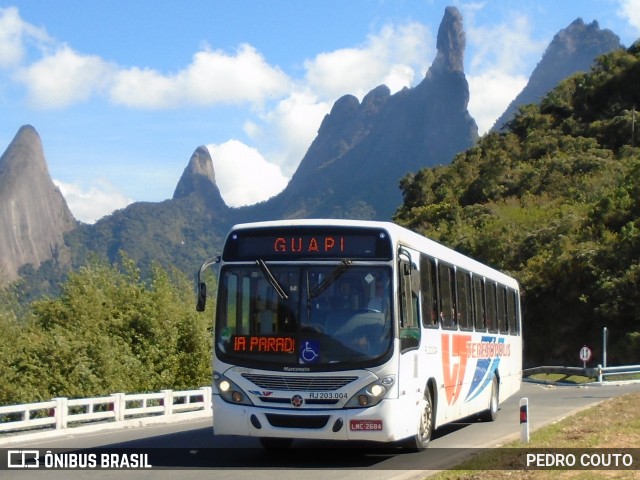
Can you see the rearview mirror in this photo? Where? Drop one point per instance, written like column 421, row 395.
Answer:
column 202, row 297
column 201, row 302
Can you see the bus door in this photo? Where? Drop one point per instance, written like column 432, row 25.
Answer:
column 410, row 381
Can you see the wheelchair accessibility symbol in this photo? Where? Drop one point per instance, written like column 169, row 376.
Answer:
column 309, row 351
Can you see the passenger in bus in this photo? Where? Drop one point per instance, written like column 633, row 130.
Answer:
column 379, row 301
column 376, row 303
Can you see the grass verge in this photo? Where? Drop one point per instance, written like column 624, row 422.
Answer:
column 612, row 424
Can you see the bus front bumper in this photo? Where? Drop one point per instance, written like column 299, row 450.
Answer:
column 387, row 421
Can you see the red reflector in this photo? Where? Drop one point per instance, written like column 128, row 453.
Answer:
column 365, row 425
column 523, row 414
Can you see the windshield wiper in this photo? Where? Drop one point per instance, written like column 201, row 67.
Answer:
column 272, row 280
column 332, row 277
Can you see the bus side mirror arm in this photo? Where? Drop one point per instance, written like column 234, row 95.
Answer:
column 201, row 301
column 407, row 267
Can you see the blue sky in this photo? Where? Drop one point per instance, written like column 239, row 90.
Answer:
column 123, row 92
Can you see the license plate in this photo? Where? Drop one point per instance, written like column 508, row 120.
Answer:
column 365, row 425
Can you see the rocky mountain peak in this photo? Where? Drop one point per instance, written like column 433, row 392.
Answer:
column 34, row 215
column 573, row 49
column 451, row 42
column 586, row 40
column 24, row 151
column 198, row 174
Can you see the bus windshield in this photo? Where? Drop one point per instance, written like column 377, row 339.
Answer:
column 326, row 316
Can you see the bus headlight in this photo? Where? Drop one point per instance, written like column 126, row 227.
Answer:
column 372, row 394
column 229, row 391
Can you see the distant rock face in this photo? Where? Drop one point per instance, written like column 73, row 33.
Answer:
column 572, row 50
column 451, row 42
column 363, row 149
column 33, row 213
column 199, row 176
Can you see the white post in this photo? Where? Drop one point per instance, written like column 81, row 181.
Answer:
column 524, row 420
column 604, row 347
column 62, row 412
column 118, row 406
column 206, row 397
column 168, row 401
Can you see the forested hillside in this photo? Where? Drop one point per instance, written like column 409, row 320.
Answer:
column 555, row 201
column 109, row 331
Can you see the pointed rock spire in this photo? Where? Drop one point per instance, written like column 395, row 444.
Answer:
column 199, row 174
column 34, row 215
column 451, row 42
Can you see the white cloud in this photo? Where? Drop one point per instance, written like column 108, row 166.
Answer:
column 14, row 36
column 252, row 129
column 243, row 175
column 143, row 88
column 64, row 78
column 397, row 54
column 491, row 92
column 506, row 46
column 290, row 128
column 496, row 72
column 630, row 10
column 213, row 77
column 90, row 204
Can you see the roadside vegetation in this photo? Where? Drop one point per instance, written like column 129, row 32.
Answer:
column 109, row 331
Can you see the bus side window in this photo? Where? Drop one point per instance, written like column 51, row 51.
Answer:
column 490, row 303
column 429, row 293
column 464, row 305
column 503, row 325
column 511, row 312
column 409, row 304
column 478, row 299
column 447, row 289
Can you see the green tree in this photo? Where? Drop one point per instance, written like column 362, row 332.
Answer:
column 108, row 331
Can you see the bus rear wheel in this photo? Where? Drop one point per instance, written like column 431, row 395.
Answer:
column 421, row 439
column 491, row 413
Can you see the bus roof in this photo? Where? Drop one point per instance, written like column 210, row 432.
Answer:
column 399, row 236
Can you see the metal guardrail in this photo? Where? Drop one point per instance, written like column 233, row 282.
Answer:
column 60, row 413
column 598, row 372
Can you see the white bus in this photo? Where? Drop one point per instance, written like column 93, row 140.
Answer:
column 356, row 330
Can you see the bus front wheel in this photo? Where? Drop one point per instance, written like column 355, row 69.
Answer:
column 421, row 439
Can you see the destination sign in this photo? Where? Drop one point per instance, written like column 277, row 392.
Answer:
column 295, row 243
column 263, row 344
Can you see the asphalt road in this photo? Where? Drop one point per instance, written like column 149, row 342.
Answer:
column 203, row 455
